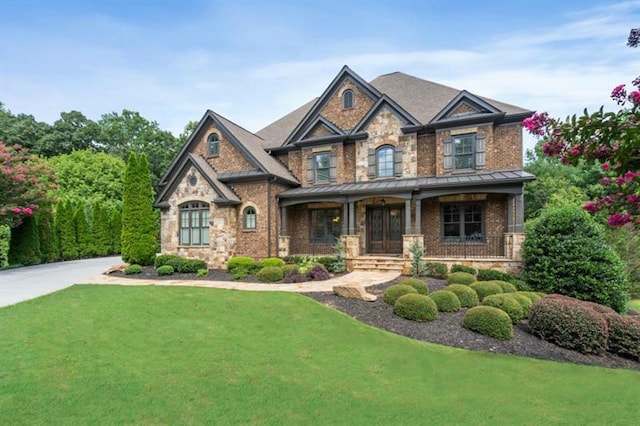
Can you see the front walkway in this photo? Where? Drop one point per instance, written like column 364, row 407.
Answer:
column 358, row 278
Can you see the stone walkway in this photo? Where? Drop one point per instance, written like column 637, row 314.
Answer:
column 359, row 278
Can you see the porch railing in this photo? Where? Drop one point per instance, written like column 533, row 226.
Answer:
column 465, row 247
column 305, row 248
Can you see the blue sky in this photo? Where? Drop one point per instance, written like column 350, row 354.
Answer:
column 254, row 61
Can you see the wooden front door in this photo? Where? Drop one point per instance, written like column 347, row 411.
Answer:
column 385, row 225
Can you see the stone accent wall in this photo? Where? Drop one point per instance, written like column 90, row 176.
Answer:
column 426, row 152
column 222, row 229
column 346, row 119
column 463, row 108
column 384, row 129
column 319, row 130
column 230, row 158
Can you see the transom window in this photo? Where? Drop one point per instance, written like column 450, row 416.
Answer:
column 324, row 225
column 214, row 145
column 249, row 218
column 463, row 152
column 384, row 161
column 194, row 224
column 347, row 99
column 322, row 166
column 462, row 222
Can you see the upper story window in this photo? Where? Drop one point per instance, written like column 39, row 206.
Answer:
column 385, row 161
column 347, row 99
column 213, row 144
column 249, row 218
column 464, row 152
column 194, row 224
column 321, row 167
column 463, row 222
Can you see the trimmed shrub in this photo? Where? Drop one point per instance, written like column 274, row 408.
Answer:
column 416, row 307
column 202, row 273
column 191, row 266
column 5, row 236
column 270, row 274
column 133, row 269
column 436, row 270
column 272, row 261
column 166, row 259
column 246, row 263
column 420, row 286
column 100, row 229
column 239, row 274
column 565, row 253
column 486, row 288
column 463, row 268
column 115, row 230
column 532, row 295
column 288, row 268
column 508, row 304
column 461, row 278
column 294, row 276
column 567, row 323
column 48, row 237
column 524, row 301
column 466, row 295
column 520, row 284
column 506, row 287
column 24, row 245
column 165, row 270
column 327, row 262
column 490, row 321
column 492, row 275
column 66, row 230
column 446, row 301
column 318, row 273
column 624, row 335
column 395, row 291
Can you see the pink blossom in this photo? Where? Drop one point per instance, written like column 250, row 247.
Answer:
column 605, row 181
column 590, row 206
column 27, row 211
column 630, row 175
column 536, row 123
column 19, row 178
column 16, row 210
column 619, row 94
column 620, row 180
column 632, row 198
column 635, row 97
column 619, row 219
column 32, row 206
column 7, row 170
column 577, row 150
column 605, row 166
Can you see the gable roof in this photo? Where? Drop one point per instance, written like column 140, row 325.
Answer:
column 384, row 101
column 275, row 133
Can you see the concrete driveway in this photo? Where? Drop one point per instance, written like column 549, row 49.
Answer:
column 17, row 285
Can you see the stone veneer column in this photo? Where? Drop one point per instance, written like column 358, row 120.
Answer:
column 284, row 242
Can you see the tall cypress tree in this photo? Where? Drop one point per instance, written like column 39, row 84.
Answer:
column 115, row 231
column 100, row 229
column 24, row 248
column 139, row 243
column 66, row 230
column 83, row 235
column 48, row 234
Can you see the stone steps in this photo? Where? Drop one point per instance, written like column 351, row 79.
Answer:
column 382, row 264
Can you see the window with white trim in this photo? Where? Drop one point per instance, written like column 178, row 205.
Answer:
column 194, row 224
column 249, row 218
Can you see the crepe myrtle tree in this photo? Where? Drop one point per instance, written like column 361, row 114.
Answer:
column 25, row 181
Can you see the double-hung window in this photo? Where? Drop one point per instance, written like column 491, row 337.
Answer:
column 464, row 152
column 324, row 225
column 463, row 222
column 194, row 224
column 322, row 166
column 384, row 161
column 249, row 218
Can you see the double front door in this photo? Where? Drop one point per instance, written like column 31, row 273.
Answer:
column 385, row 225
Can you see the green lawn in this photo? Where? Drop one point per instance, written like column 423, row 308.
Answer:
column 634, row 304
column 162, row 355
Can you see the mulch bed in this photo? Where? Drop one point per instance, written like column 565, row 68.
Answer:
column 446, row 330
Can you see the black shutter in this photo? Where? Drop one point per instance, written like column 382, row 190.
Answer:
column 333, row 175
column 480, row 150
column 448, row 154
column 372, row 163
column 311, row 175
column 397, row 161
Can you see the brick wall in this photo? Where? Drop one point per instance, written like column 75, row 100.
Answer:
column 507, row 149
column 346, row 119
column 230, row 158
column 426, row 153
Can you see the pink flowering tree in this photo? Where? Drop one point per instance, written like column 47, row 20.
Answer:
column 611, row 139
column 25, row 181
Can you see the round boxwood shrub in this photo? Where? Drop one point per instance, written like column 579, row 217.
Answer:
column 565, row 253
column 272, row 261
column 446, row 301
column 463, row 268
column 624, row 335
column 508, row 304
column 202, row 273
column 524, row 301
column 165, row 270
column 288, row 268
column 532, row 295
column 416, row 307
column 191, row 266
column 490, row 321
column 486, row 288
column 133, row 269
column 567, row 323
column 466, row 295
column 270, row 274
column 461, row 278
column 420, row 286
column 392, row 293
column 240, row 262
column 506, row 287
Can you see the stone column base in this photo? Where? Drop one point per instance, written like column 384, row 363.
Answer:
column 284, row 243
column 350, row 245
column 513, row 245
column 408, row 240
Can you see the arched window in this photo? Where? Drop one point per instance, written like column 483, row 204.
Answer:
column 384, row 161
column 214, row 145
column 347, row 99
column 194, row 224
column 249, row 218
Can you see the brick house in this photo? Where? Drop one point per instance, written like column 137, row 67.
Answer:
column 377, row 164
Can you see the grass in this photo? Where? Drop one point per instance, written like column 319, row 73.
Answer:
column 634, row 304
column 163, row 355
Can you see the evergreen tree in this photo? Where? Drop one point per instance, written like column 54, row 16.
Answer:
column 83, row 232
column 100, row 228
column 66, row 230
column 5, row 237
column 48, row 235
column 115, row 230
column 139, row 243
column 24, row 248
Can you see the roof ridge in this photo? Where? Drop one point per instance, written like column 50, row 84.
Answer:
column 235, row 124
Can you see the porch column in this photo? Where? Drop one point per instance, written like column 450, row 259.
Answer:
column 345, row 218
column 352, row 218
column 283, row 215
column 519, row 225
column 407, row 217
column 418, row 217
column 510, row 201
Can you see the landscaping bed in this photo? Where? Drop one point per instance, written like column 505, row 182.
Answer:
column 448, row 330
column 149, row 273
